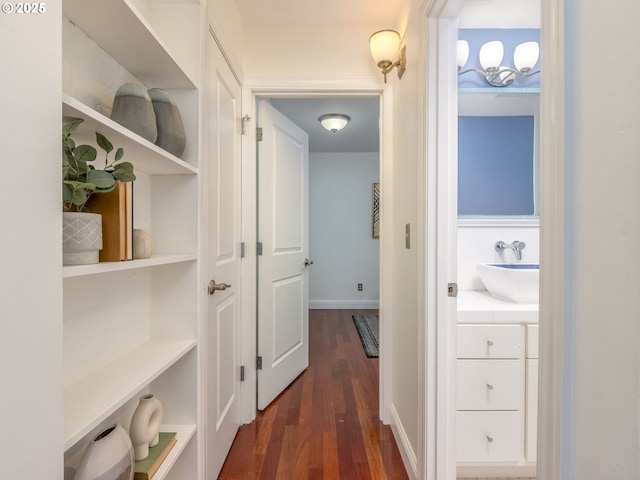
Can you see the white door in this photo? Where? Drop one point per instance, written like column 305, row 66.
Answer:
column 222, row 369
column 283, row 229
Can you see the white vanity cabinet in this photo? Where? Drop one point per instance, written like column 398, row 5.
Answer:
column 496, row 388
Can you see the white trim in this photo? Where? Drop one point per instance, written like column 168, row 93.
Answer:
column 554, row 343
column 344, row 304
column 404, row 445
column 499, row 222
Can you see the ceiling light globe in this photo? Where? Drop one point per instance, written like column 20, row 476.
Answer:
column 384, row 46
column 491, row 54
column 462, row 53
column 334, row 122
column 525, row 56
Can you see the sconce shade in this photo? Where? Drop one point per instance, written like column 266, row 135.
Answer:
column 491, row 54
column 526, row 56
column 462, row 53
column 384, row 46
column 334, row 122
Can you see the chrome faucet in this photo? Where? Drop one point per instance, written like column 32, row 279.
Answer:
column 516, row 246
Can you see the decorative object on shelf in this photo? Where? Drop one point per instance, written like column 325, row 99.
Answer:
column 81, row 238
column 385, row 49
column 142, row 244
column 334, row 122
column 146, row 469
column 525, row 57
column 80, row 180
column 171, row 136
column 109, row 456
column 145, row 425
column 132, row 108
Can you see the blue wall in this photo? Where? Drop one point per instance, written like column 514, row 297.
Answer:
column 510, row 38
column 495, row 165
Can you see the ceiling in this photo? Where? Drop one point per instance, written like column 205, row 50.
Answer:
column 362, row 132
column 360, row 135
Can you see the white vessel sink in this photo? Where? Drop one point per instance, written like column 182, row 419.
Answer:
column 516, row 282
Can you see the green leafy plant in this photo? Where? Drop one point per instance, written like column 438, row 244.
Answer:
column 80, row 179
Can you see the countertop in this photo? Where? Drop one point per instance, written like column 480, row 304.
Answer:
column 478, row 306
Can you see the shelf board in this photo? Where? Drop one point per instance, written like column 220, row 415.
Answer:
column 105, row 267
column 90, row 400
column 184, row 433
column 144, row 155
column 119, row 29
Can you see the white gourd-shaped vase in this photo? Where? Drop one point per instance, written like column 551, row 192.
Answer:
column 108, row 456
column 145, row 426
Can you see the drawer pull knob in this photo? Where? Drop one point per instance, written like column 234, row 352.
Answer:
column 489, row 439
column 489, row 386
column 489, row 343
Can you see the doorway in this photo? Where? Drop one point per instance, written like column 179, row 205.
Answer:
column 328, row 102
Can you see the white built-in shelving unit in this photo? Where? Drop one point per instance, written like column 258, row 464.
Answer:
column 133, row 327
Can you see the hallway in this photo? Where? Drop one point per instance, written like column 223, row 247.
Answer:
column 326, row 424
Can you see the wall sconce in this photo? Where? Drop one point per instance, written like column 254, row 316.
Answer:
column 384, row 47
column 334, row 122
column 525, row 57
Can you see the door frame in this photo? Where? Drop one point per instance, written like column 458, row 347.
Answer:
column 438, row 449
column 292, row 88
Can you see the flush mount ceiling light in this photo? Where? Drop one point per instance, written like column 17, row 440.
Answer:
column 525, row 57
column 384, row 46
column 334, row 122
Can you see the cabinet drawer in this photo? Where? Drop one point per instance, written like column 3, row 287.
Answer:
column 490, row 341
column 489, row 437
column 490, row 385
column 532, row 341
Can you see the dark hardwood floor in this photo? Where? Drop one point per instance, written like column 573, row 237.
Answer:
column 325, row 425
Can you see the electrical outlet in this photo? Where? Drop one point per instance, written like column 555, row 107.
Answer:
column 359, row 287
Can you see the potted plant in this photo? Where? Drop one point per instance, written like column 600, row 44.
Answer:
column 82, row 231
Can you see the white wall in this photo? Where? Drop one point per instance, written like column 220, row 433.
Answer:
column 340, row 240
column 601, row 356
column 476, row 244
column 30, row 242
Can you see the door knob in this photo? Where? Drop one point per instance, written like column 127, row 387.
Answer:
column 213, row 286
column 307, row 262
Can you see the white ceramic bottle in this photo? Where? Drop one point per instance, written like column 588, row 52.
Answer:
column 145, row 425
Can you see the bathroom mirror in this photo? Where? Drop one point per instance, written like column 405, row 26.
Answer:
column 498, row 168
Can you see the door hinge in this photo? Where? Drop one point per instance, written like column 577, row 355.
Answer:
column 242, row 373
column 452, row 289
column 259, row 248
column 242, row 250
column 259, row 134
column 259, row 363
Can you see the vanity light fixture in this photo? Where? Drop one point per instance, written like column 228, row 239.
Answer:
column 385, row 45
column 334, row 122
column 525, row 57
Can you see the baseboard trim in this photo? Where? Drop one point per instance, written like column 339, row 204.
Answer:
column 402, row 440
column 344, row 304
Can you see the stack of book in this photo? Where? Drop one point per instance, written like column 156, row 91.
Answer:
column 146, row 468
column 116, row 208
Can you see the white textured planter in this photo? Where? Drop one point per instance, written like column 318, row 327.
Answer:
column 81, row 238
column 109, row 456
column 145, row 426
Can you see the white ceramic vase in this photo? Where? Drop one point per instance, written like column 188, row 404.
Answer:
column 81, row 238
column 109, row 456
column 145, row 426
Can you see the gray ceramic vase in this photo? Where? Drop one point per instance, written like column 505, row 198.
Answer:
column 132, row 108
column 171, row 136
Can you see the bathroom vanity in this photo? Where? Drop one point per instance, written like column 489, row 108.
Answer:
column 497, row 386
